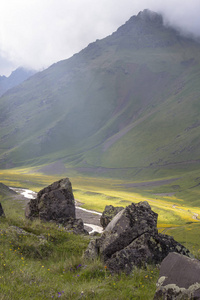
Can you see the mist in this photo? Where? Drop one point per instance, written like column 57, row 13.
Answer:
column 35, row 34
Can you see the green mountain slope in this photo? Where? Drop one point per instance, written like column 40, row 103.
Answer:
column 130, row 100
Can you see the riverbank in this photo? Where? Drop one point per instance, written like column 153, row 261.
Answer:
column 91, row 219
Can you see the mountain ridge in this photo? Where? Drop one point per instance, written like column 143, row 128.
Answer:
column 15, row 78
column 120, row 102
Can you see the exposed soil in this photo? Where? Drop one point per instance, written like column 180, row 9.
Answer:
column 54, row 168
column 88, row 217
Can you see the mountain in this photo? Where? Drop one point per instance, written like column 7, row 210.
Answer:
column 125, row 105
column 16, row 77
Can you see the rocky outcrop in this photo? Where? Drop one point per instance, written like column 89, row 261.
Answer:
column 56, row 203
column 179, row 278
column 108, row 214
column 131, row 239
column 53, row 203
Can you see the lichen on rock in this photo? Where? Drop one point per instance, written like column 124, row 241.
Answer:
column 55, row 203
column 132, row 239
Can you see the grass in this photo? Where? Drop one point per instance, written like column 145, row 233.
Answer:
column 43, row 261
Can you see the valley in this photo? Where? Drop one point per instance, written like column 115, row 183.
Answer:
column 177, row 215
column 121, row 120
column 125, row 107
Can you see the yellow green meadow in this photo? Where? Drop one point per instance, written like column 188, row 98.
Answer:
column 43, row 261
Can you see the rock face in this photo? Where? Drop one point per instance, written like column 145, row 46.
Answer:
column 131, row 239
column 53, row 203
column 179, row 278
column 108, row 214
column 56, row 203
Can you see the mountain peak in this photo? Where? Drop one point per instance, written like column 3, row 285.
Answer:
column 145, row 20
column 145, row 30
column 150, row 16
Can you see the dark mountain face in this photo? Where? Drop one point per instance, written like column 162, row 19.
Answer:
column 16, row 77
column 130, row 100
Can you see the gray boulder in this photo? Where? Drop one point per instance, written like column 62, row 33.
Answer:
column 145, row 249
column 126, row 226
column 131, row 239
column 179, row 278
column 56, row 203
column 108, row 214
column 53, row 203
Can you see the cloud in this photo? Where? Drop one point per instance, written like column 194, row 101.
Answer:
column 38, row 33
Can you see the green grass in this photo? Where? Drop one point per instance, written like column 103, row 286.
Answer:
column 45, row 260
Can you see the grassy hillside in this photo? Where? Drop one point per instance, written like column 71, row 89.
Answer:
column 125, row 106
column 42, row 260
column 16, row 77
column 52, row 267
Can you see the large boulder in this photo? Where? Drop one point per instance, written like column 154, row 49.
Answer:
column 108, row 214
column 131, row 239
column 126, row 226
column 53, row 203
column 179, row 278
column 145, row 249
column 56, row 203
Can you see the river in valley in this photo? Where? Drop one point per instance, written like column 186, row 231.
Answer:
column 91, row 219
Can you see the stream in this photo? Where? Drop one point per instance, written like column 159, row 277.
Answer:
column 85, row 214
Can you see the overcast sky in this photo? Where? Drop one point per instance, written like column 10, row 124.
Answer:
column 37, row 33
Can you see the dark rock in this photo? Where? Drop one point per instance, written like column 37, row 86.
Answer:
column 131, row 239
column 146, row 249
column 76, row 226
column 56, row 203
column 108, row 214
column 53, row 203
column 1, row 211
column 127, row 225
column 179, row 278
